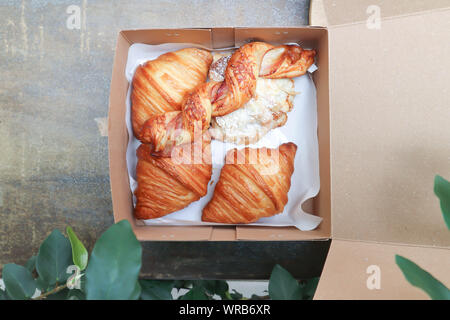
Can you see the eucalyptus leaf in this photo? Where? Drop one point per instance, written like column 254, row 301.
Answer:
column 212, row 287
column 136, row 292
column 60, row 295
column 3, row 295
column 442, row 190
column 79, row 252
column 308, row 288
column 19, row 282
column 283, row 286
column 41, row 284
column 156, row 289
column 257, row 297
column 236, row 295
column 76, row 294
column 183, row 284
column 422, row 279
column 31, row 264
column 54, row 256
column 196, row 293
column 114, row 265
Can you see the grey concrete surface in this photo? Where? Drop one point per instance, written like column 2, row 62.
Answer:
column 54, row 88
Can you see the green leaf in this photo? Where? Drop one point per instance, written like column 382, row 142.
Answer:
column 60, row 295
column 283, row 286
column 136, row 292
column 183, row 284
column 114, row 265
column 256, row 297
column 156, row 289
column 55, row 255
column 19, row 283
column 212, row 287
column 79, row 252
column 41, row 284
column 442, row 190
column 31, row 264
column 308, row 288
column 3, row 295
column 76, row 294
column 422, row 279
column 196, row 293
column 236, row 295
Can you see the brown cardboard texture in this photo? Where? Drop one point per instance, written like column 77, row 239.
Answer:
column 359, row 270
column 216, row 38
column 383, row 134
column 389, row 132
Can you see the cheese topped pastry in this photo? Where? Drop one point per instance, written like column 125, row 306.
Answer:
column 265, row 111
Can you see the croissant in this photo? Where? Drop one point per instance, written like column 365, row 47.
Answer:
column 253, row 184
column 160, row 85
column 166, row 185
column 250, row 61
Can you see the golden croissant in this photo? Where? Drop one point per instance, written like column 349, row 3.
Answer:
column 253, row 60
column 253, row 184
column 166, row 185
column 160, row 85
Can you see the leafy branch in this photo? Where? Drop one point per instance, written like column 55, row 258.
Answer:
column 414, row 274
column 51, row 292
column 112, row 272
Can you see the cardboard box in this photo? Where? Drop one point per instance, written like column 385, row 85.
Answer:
column 216, row 38
column 383, row 134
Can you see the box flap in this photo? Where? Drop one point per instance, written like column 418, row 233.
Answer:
column 158, row 36
column 333, row 12
column 173, row 233
column 358, row 270
column 118, row 135
column 390, row 129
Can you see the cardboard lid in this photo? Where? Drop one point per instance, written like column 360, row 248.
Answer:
column 389, row 137
column 333, row 12
column 389, row 122
column 357, row 270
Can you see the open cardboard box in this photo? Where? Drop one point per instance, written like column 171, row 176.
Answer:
column 383, row 134
column 216, row 38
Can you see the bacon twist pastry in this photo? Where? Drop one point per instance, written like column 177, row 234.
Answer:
column 253, row 184
column 253, row 60
column 160, row 85
column 166, row 185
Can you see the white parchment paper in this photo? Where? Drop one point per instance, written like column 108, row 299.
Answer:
column 301, row 128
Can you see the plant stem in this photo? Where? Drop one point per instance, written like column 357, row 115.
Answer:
column 54, row 290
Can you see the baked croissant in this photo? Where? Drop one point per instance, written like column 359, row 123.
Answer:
column 160, row 85
column 219, row 98
column 166, row 185
column 253, row 184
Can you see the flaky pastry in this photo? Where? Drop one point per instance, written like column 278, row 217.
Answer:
column 252, row 60
column 168, row 184
column 160, row 85
column 253, row 184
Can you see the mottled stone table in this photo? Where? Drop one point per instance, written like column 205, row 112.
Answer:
column 54, row 87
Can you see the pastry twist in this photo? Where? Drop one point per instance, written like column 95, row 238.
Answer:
column 253, row 60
